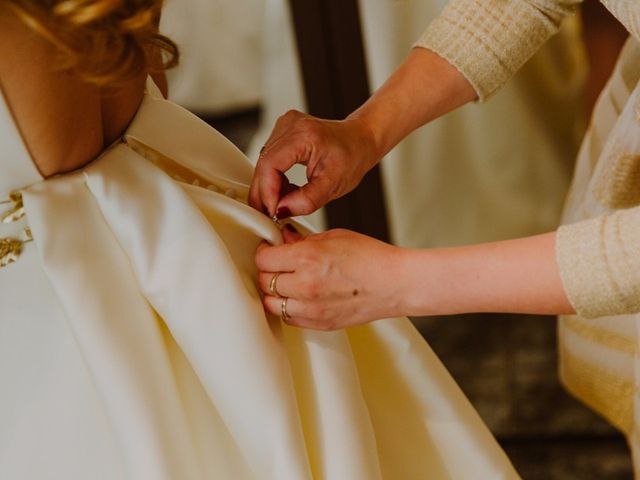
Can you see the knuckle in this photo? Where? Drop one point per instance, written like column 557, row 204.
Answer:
column 289, row 115
column 311, row 128
column 338, row 232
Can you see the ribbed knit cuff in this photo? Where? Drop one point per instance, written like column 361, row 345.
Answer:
column 599, row 261
column 489, row 40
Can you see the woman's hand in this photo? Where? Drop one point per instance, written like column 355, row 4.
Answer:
column 340, row 279
column 337, row 155
column 332, row 280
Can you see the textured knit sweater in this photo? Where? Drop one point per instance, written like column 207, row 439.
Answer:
column 487, row 41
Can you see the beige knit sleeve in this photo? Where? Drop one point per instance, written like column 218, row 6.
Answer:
column 599, row 262
column 489, row 40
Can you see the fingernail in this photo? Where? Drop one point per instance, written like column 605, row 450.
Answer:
column 283, row 212
column 266, row 211
column 291, row 228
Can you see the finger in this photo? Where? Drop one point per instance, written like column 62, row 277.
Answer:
column 309, row 198
column 291, row 235
column 297, row 314
column 254, row 196
column 281, row 258
column 283, row 155
column 270, row 182
column 283, row 125
column 284, row 286
column 294, row 308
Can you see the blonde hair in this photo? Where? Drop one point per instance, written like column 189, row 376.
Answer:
column 107, row 42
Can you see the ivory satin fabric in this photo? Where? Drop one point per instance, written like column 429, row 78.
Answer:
column 133, row 343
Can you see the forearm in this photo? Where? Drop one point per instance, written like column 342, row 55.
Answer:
column 469, row 51
column 425, row 87
column 515, row 276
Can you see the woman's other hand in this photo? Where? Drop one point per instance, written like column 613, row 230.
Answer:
column 331, row 280
column 337, row 154
column 340, row 279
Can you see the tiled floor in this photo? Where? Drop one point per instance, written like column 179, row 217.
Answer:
column 506, row 364
column 572, row 458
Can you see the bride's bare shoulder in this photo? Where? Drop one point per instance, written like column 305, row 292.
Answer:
column 64, row 121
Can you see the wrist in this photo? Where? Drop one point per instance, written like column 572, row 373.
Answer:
column 393, row 283
column 428, row 284
column 407, row 287
column 371, row 131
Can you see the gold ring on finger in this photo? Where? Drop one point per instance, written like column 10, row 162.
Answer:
column 284, row 317
column 273, row 289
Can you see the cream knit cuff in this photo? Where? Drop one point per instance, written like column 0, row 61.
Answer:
column 599, row 261
column 489, row 40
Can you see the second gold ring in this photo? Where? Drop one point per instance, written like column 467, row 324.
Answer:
column 273, row 288
column 284, row 315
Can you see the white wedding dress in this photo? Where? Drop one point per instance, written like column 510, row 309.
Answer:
column 133, row 343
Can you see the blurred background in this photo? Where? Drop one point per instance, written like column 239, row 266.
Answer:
column 486, row 172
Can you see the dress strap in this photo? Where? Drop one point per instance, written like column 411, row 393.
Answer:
column 17, row 169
